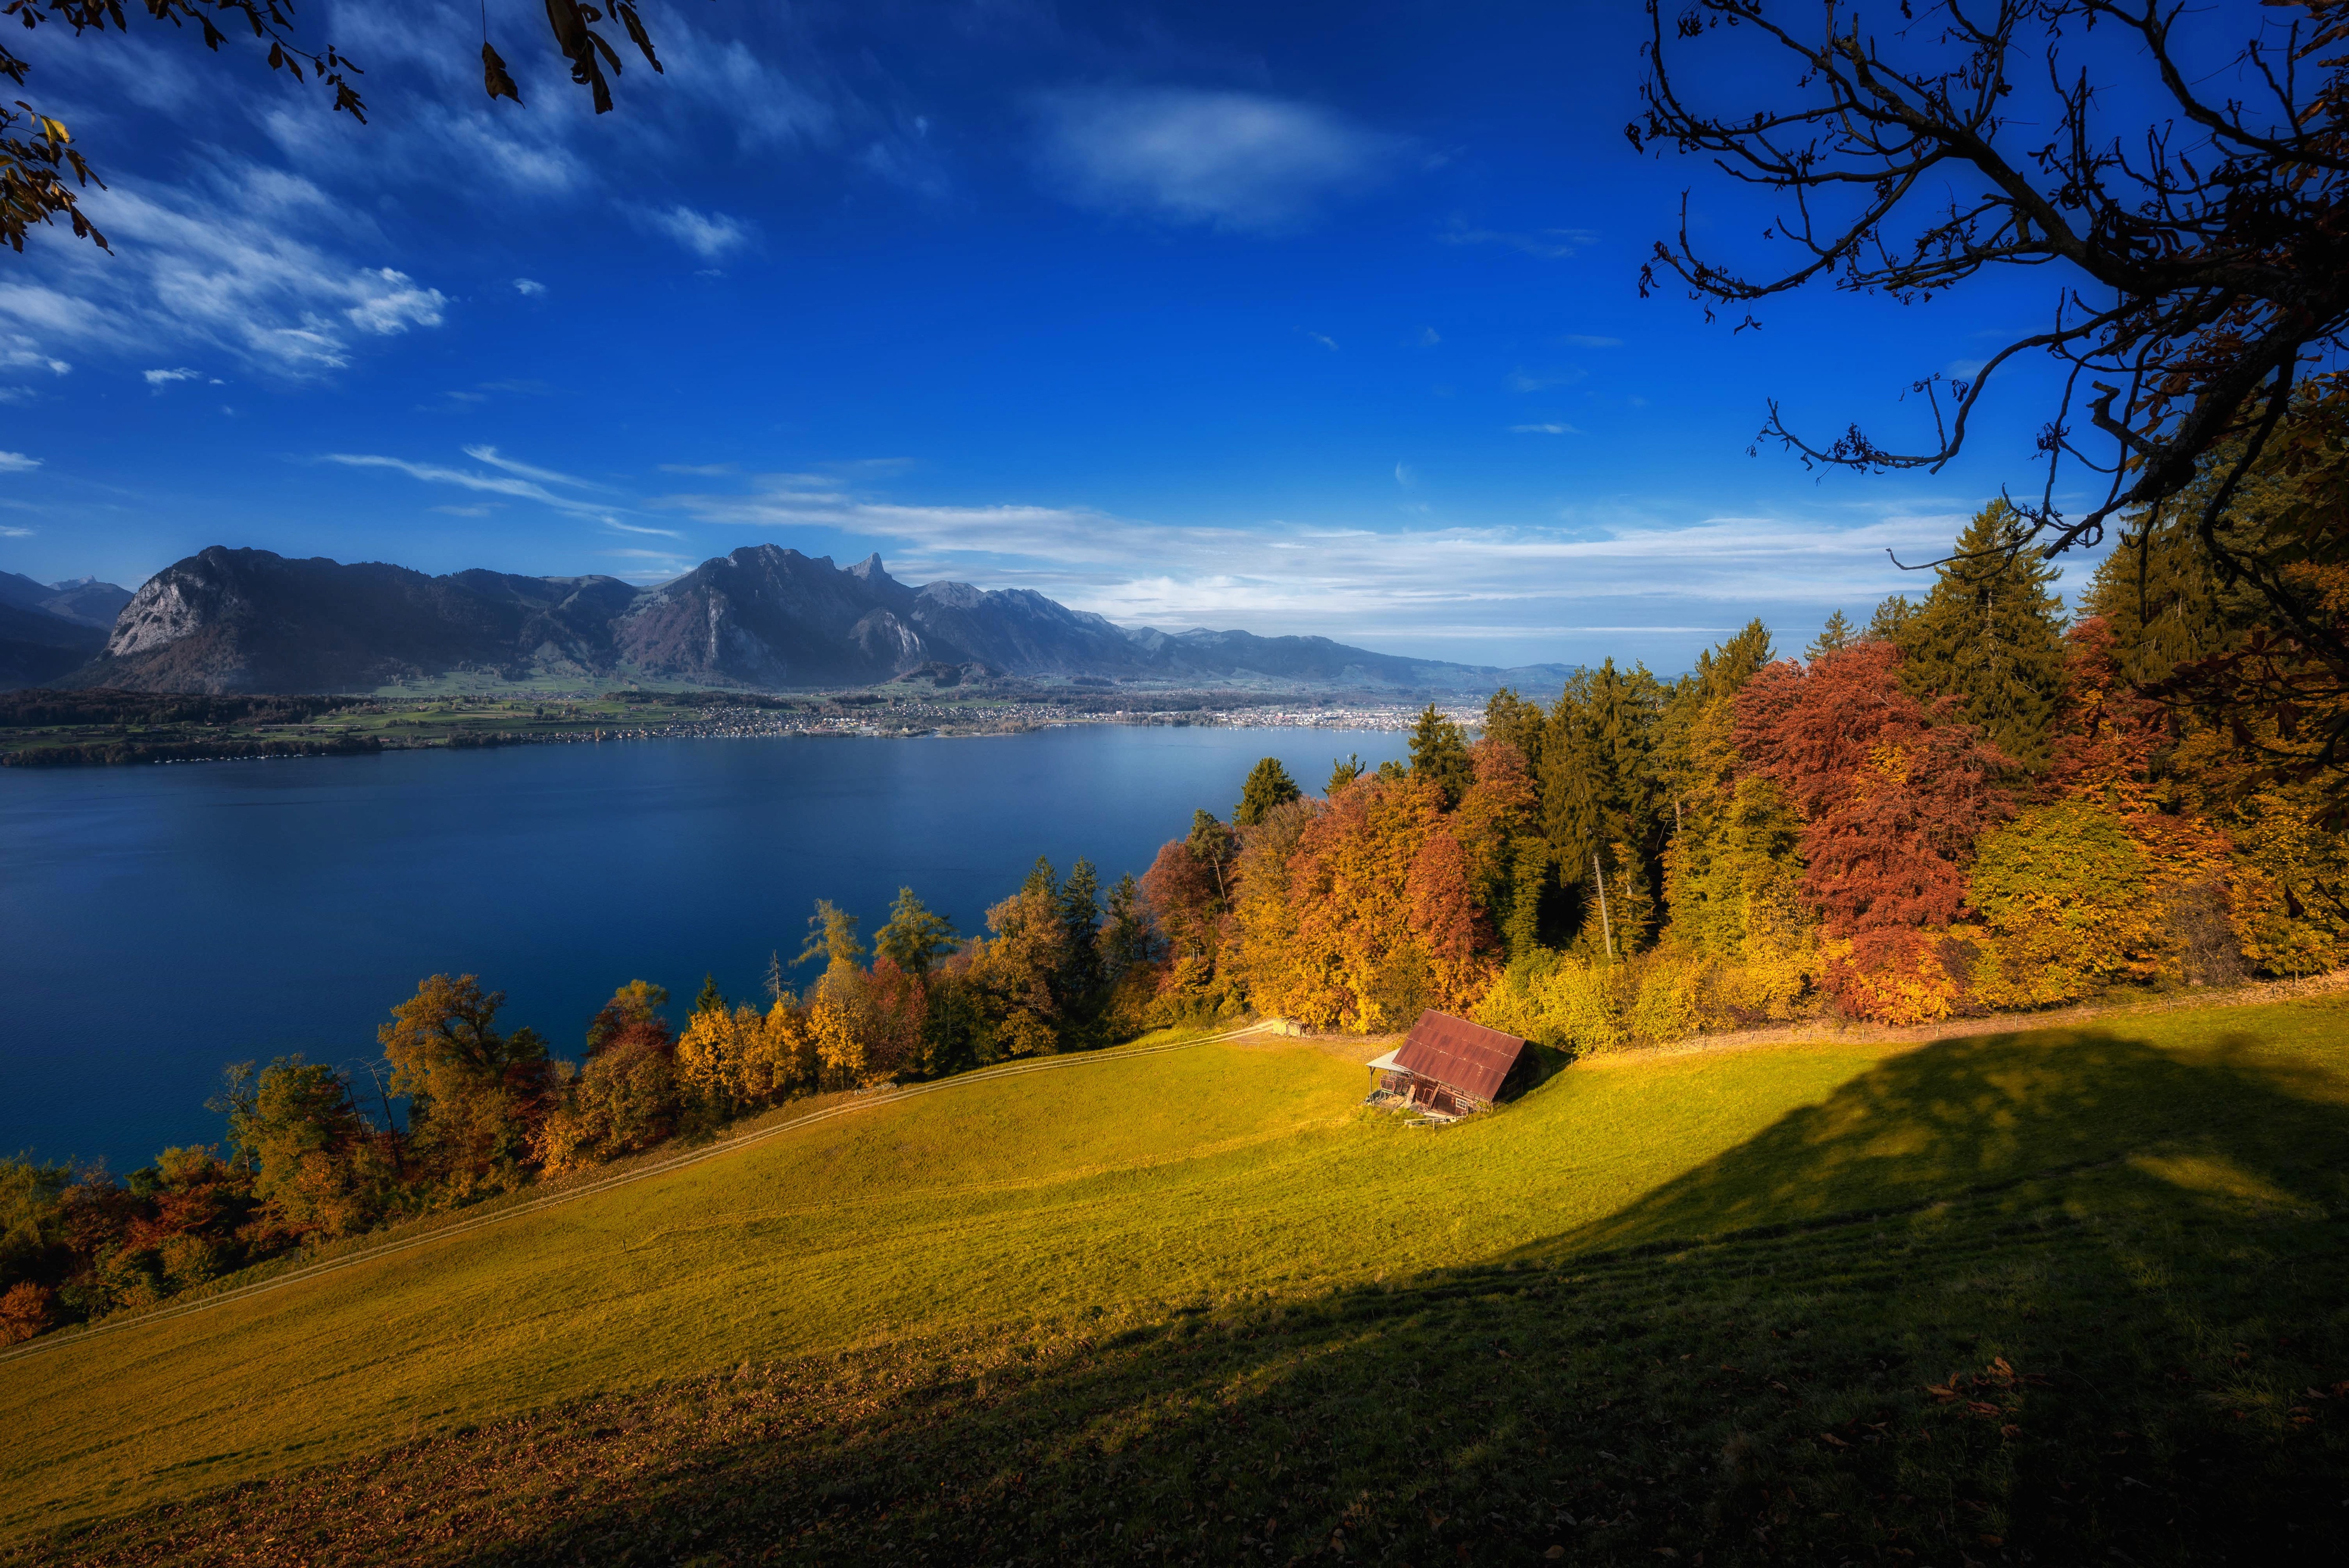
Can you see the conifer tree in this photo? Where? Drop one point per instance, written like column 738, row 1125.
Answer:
column 1890, row 622
column 1990, row 633
column 710, row 1000
column 1081, row 917
column 1439, row 752
column 1344, row 771
column 1838, row 632
column 915, row 935
column 1510, row 718
column 1268, row 786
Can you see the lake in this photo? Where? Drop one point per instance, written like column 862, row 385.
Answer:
column 162, row 921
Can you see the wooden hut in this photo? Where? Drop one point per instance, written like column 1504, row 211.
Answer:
column 1448, row 1067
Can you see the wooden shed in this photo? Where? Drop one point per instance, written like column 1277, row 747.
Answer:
column 1448, row 1067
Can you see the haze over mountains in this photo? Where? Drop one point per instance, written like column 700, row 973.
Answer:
column 763, row 618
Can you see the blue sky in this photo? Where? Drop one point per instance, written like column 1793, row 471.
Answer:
column 1306, row 318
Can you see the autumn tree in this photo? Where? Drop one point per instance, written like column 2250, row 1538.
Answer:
column 475, row 1094
column 628, row 1094
column 316, row 1161
column 1891, row 803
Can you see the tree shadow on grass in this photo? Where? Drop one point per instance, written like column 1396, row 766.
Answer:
column 1985, row 1111
column 2117, row 1346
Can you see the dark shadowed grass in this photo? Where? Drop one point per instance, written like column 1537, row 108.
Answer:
column 2012, row 1299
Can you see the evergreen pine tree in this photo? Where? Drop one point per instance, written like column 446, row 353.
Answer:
column 1990, row 632
column 1268, row 787
column 1838, row 632
column 916, row 936
column 1890, row 622
column 1344, row 771
column 709, row 1001
column 1439, row 752
column 1081, row 917
column 2162, row 599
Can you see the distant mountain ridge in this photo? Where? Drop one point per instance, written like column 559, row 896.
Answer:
column 763, row 617
column 49, row 628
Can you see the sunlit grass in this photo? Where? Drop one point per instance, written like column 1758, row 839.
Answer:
column 1131, row 1191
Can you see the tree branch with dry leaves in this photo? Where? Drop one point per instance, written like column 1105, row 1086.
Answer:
column 36, row 151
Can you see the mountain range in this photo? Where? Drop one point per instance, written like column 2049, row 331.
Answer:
column 763, row 617
column 49, row 628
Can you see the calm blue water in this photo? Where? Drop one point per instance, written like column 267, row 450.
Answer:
column 158, row 921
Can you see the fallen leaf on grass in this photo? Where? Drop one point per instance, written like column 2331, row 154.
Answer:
column 1831, row 1438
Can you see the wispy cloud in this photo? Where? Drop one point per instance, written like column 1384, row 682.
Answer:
column 1329, row 343
column 1547, row 429
column 506, row 484
column 491, row 455
column 221, row 263
column 712, row 236
column 158, row 380
column 634, row 528
column 22, row 354
column 1540, row 589
column 528, row 287
column 17, row 463
column 1231, row 160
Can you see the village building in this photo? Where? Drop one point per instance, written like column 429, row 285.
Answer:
column 1447, row 1067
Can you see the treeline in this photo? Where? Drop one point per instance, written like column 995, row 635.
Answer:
column 460, row 1108
column 1970, row 803
column 127, row 753
column 24, row 709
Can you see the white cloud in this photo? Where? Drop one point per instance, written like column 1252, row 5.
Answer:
column 1232, row 159
column 22, row 354
column 8, row 532
column 1429, row 337
column 527, row 286
column 1329, row 343
column 399, row 305
column 1405, row 477
column 512, row 485
column 1634, row 585
column 633, row 527
column 158, row 380
column 1549, row 429
column 1542, row 380
column 17, row 463
column 709, row 235
column 220, row 263
column 489, row 455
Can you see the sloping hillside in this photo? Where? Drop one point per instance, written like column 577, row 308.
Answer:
column 1197, row 1295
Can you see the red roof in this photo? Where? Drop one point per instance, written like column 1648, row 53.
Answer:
column 1460, row 1055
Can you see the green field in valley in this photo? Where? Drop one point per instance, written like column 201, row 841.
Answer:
column 2074, row 1292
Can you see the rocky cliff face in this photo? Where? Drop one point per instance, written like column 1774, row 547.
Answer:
column 247, row 620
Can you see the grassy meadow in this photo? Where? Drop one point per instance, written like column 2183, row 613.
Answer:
column 2078, row 1291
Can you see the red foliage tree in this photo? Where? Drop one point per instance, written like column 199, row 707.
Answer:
column 1185, row 898
column 1892, row 795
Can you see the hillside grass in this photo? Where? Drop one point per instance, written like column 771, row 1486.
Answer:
column 1149, row 1304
